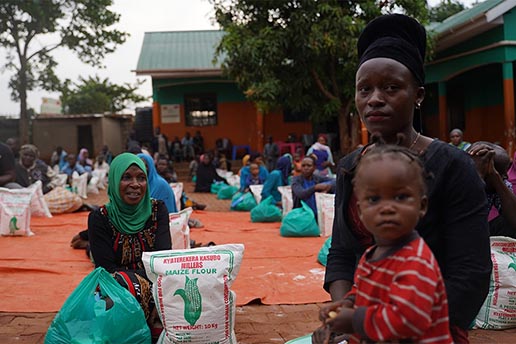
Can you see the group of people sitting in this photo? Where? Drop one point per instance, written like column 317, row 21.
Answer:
column 308, row 179
column 20, row 167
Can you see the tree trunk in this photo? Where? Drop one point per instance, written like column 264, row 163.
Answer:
column 24, row 118
column 344, row 128
column 355, row 131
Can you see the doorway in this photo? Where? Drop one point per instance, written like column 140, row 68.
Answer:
column 85, row 138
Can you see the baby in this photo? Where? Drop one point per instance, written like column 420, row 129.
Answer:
column 398, row 291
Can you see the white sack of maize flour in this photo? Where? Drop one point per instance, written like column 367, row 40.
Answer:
column 499, row 309
column 177, row 189
column 286, row 198
column 325, row 204
column 191, row 289
column 256, row 190
column 179, row 229
column 15, row 212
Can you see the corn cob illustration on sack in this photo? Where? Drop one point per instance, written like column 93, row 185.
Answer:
column 191, row 290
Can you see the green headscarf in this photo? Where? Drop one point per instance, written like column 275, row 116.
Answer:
column 127, row 219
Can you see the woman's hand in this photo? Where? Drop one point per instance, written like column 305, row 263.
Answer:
column 324, row 313
column 483, row 156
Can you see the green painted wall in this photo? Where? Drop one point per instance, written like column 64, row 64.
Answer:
column 481, row 87
column 172, row 91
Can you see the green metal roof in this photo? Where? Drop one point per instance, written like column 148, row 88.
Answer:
column 465, row 16
column 178, row 50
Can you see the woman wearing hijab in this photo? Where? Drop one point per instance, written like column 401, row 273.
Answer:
column 278, row 177
column 84, row 160
column 389, row 89
column 206, row 174
column 158, row 186
column 324, row 161
column 128, row 225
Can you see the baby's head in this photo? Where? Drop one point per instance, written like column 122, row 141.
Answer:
column 254, row 169
column 390, row 188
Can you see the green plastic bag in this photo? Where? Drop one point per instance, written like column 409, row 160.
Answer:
column 300, row 222
column 266, row 211
column 215, row 187
column 322, row 257
column 243, row 201
column 107, row 314
column 226, row 192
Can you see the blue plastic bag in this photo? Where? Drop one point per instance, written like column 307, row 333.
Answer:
column 243, row 201
column 322, row 257
column 266, row 211
column 226, row 192
column 99, row 310
column 300, row 222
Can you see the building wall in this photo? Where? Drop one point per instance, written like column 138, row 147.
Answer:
column 237, row 119
column 480, row 92
column 114, row 134
column 48, row 133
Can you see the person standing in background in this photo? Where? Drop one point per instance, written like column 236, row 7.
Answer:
column 270, row 154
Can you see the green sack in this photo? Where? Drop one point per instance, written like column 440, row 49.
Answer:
column 243, row 201
column 215, row 187
column 226, row 192
column 266, row 211
column 85, row 319
column 300, row 222
column 322, row 257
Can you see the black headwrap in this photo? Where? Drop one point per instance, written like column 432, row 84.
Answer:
column 398, row 37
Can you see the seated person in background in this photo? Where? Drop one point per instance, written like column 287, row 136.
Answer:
column 101, row 163
column 165, row 169
column 188, row 147
column 108, row 156
column 193, row 166
column 255, row 158
column 84, row 160
column 7, row 169
column 176, row 149
column 58, row 158
column 324, row 161
column 14, row 144
column 253, row 178
column 278, row 177
column 128, row 225
column 307, row 184
column 492, row 163
column 398, row 293
column 222, row 163
column 29, row 169
column 206, row 174
column 456, row 136
column 71, row 167
column 297, row 163
column 158, row 187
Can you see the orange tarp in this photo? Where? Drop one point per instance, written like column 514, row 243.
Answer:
column 39, row 272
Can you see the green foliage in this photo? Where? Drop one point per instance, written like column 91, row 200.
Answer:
column 83, row 26
column 299, row 54
column 94, row 95
column 445, row 9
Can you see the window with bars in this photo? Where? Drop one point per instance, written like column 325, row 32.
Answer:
column 201, row 110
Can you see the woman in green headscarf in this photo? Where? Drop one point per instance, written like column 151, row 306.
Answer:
column 129, row 224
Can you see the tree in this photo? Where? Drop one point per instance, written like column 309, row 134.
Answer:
column 445, row 9
column 300, row 54
column 94, row 95
column 83, row 26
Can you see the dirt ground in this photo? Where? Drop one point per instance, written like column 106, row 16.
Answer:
column 255, row 323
